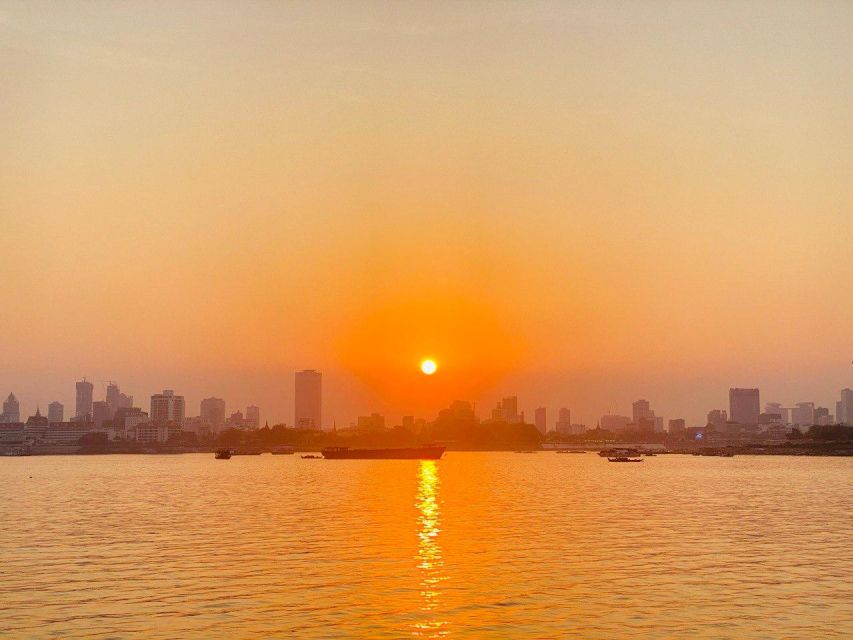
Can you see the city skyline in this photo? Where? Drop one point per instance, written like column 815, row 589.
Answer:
column 215, row 410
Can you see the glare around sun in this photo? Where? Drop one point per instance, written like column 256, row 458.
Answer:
column 429, row 367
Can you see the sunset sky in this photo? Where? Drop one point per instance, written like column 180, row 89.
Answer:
column 578, row 203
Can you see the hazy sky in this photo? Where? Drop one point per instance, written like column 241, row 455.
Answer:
column 581, row 203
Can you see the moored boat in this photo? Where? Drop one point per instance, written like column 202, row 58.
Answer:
column 623, row 459
column 429, row 452
column 222, row 454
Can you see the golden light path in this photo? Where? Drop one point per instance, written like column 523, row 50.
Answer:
column 429, row 556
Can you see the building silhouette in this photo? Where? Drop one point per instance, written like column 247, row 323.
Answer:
column 253, row 417
column 564, row 421
column 55, row 412
column 167, row 407
column 11, row 410
column 540, row 420
column 744, row 405
column 83, row 405
column 212, row 410
column 101, row 413
column 308, row 400
column 116, row 399
column 803, row 414
column 717, row 417
column 844, row 408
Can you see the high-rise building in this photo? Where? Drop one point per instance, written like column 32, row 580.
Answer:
column 612, row 422
column 744, row 406
column 213, row 412
column 677, row 426
column 539, row 419
column 777, row 409
column 55, row 412
column 307, row 406
column 803, row 414
column 83, row 407
column 564, row 421
column 11, row 410
column 167, row 407
column 253, row 417
column 101, row 413
column 844, row 408
column 116, row 399
column 822, row 416
column 509, row 409
column 717, row 417
column 642, row 409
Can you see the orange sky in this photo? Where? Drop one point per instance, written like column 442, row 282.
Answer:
column 581, row 203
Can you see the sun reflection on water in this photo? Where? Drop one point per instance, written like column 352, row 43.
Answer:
column 429, row 557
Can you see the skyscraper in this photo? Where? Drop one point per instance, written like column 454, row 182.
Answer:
column 101, row 413
column 539, row 419
column 116, row 399
column 55, row 412
column 213, row 411
column 307, row 407
column 844, row 408
column 775, row 408
column 717, row 417
column 11, row 410
column 744, row 406
column 253, row 417
column 83, row 408
column 803, row 414
column 642, row 409
column 167, row 407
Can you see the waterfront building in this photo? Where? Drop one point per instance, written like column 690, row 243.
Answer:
column 778, row 409
column 167, row 407
column 564, row 421
column 744, row 405
column 125, row 422
column 11, row 410
column 844, row 408
column 116, row 399
column 83, row 405
column 307, row 405
column 641, row 409
column 677, row 427
column 55, row 412
column 803, row 414
column 213, row 411
column 373, row 422
column 717, row 417
column 253, row 417
column 614, row 423
column 101, row 413
column 539, row 419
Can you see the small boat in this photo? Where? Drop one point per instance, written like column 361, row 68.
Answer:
column 283, row 451
column 621, row 459
column 426, row 452
column 310, row 457
column 526, row 451
column 222, row 454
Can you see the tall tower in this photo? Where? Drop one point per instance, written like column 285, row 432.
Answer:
column 308, row 400
column 744, row 406
column 55, row 412
column 11, row 410
column 83, row 407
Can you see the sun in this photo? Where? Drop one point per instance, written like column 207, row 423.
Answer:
column 429, row 367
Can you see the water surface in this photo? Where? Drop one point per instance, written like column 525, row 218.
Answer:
column 476, row 545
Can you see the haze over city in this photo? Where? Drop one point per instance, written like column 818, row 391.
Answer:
column 609, row 204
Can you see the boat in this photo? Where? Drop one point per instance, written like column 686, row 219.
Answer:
column 427, row 452
column 623, row 459
column 619, row 453
column 283, row 451
column 311, row 457
column 525, row 451
column 223, row 454
column 246, row 452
